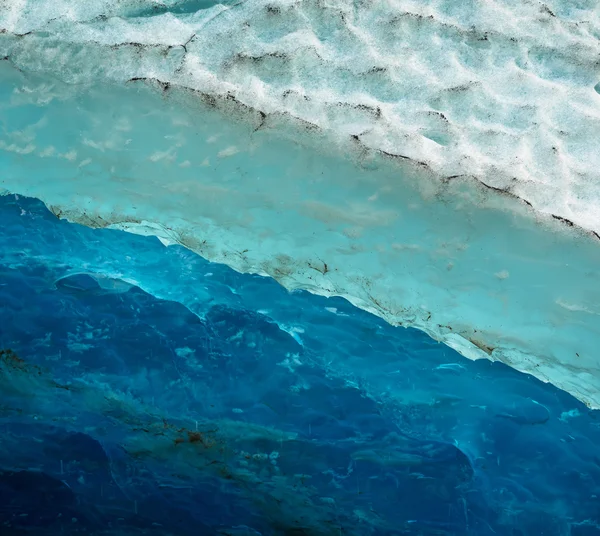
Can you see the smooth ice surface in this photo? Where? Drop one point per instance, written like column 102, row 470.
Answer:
column 237, row 408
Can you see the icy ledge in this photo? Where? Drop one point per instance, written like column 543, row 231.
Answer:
column 470, row 266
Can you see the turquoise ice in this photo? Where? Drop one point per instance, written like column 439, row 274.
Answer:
column 237, row 408
column 435, row 163
column 299, row 165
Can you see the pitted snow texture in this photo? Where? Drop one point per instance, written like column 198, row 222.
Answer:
column 504, row 91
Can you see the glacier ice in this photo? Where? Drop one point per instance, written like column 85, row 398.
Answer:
column 424, row 160
column 435, row 163
column 124, row 413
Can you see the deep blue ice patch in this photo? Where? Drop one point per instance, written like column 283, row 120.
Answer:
column 144, row 390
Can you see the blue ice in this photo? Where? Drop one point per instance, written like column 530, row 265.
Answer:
column 199, row 411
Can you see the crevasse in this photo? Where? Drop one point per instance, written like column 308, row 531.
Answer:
column 434, row 163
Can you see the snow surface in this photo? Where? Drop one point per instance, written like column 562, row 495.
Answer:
column 503, row 91
column 146, row 391
column 398, row 154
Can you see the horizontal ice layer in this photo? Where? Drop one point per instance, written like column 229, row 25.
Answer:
column 505, row 92
column 469, row 266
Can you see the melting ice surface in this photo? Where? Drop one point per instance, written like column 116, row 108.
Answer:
column 144, row 390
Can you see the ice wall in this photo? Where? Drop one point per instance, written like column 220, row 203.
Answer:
column 251, row 411
column 400, row 155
